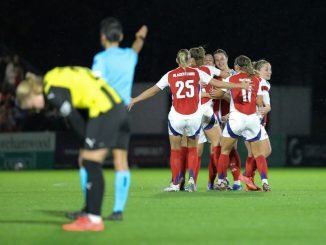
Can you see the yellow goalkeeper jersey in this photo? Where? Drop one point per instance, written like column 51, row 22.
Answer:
column 86, row 90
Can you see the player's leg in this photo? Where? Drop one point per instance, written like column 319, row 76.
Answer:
column 200, row 149
column 213, row 133
column 176, row 129
column 192, row 130
column 266, row 151
column 82, row 174
column 250, row 162
column 175, row 159
column 184, row 167
column 91, row 142
column 121, row 183
column 258, row 152
column 254, row 136
column 122, row 173
column 250, row 168
column 267, row 147
column 223, row 162
column 192, row 161
column 232, row 130
column 92, row 221
column 212, row 170
column 235, row 165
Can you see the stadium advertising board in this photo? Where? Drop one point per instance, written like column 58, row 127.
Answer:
column 306, row 151
column 27, row 150
column 149, row 151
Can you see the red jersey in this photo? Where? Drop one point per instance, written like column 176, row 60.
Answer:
column 185, row 88
column 211, row 71
column 221, row 107
column 243, row 100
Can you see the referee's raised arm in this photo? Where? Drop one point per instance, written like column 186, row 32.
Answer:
column 140, row 39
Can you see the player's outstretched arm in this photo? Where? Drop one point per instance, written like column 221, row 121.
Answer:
column 144, row 95
column 264, row 110
column 140, row 39
column 226, row 85
column 224, row 74
column 216, row 93
column 205, row 95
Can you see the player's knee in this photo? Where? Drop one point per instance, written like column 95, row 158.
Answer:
column 94, row 155
column 268, row 152
column 120, row 166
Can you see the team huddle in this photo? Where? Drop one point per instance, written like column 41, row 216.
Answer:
column 216, row 105
column 205, row 100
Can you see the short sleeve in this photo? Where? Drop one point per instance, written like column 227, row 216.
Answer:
column 226, row 80
column 98, row 66
column 266, row 98
column 265, row 86
column 214, row 71
column 133, row 55
column 164, row 82
column 204, row 77
column 260, row 91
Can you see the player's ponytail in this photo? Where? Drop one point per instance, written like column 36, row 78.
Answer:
column 183, row 57
column 245, row 64
column 198, row 54
column 259, row 64
column 31, row 85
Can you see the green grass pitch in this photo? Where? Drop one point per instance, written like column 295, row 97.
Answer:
column 32, row 206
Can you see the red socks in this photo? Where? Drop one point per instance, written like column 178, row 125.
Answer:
column 251, row 167
column 184, row 152
column 175, row 164
column 235, row 164
column 198, row 168
column 222, row 167
column 211, row 169
column 262, row 167
column 192, row 161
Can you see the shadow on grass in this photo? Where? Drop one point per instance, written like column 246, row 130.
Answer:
column 209, row 194
column 30, row 222
column 53, row 213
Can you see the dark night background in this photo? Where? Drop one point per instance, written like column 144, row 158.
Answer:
column 290, row 34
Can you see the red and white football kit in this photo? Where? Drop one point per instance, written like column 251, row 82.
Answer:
column 243, row 119
column 185, row 115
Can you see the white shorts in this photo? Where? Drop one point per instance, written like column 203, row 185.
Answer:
column 264, row 134
column 209, row 118
column 186, row 127
column 202, row 137
column 242, row 125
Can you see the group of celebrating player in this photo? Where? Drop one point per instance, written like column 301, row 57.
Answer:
column 217, row 105
column 205, row 98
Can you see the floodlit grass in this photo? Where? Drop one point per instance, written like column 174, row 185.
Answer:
column 32, row 206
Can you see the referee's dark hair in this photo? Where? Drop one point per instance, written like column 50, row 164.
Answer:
column 112, row 29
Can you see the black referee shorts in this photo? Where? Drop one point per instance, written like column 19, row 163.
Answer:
column 109, row 130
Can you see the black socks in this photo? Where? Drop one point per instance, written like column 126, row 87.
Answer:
column 94, row 187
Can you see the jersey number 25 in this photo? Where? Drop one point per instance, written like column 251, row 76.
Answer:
column 185, row 89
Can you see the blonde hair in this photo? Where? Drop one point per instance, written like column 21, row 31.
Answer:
column 198, row 54
column 245, row 64
column 31, row 85
column 183, row 57
column 259, row 64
